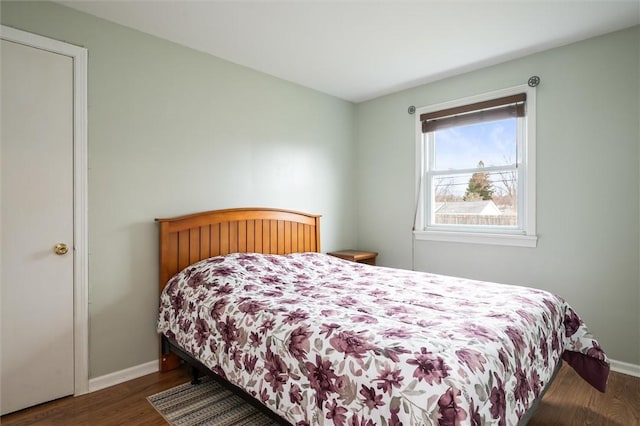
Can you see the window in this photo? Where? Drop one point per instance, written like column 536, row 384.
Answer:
column 476, row 169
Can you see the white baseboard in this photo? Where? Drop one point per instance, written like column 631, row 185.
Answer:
column 121, row 376
column 625, row 368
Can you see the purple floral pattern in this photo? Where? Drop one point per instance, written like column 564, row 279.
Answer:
column 323, row 341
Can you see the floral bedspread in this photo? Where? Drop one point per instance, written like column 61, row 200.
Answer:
column 323, row 341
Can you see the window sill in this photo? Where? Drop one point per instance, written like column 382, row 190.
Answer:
column 478, row 238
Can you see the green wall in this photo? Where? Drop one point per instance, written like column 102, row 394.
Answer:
column 588, row 184
column 175, row 131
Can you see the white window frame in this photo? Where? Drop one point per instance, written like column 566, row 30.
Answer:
column 524, row 235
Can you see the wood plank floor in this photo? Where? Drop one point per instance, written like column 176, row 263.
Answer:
column 572, row 401
column 569, row 401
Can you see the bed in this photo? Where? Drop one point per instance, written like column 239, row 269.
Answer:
column 320, row 340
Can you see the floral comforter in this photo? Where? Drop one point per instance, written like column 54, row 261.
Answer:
column 323, row 341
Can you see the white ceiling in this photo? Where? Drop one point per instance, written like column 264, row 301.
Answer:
column 359, row 50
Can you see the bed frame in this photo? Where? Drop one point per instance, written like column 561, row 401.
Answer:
column 185, row 240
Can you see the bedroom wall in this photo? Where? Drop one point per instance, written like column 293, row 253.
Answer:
column 587, row 177
column 175, row 131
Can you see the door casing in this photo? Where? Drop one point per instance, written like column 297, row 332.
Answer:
column 80, row 171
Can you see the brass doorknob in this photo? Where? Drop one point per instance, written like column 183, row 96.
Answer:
column 61, row 248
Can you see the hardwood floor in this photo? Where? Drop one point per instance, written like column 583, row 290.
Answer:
column 569, row 401
column 572, row 401
column 123, row 404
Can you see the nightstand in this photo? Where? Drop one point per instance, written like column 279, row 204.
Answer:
column 358, row 256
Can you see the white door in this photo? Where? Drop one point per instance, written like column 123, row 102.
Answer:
column 36, row 214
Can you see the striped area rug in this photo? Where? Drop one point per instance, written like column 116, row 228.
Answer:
column 208, row 403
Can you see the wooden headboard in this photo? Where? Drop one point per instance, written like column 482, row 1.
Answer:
column 188, row 239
